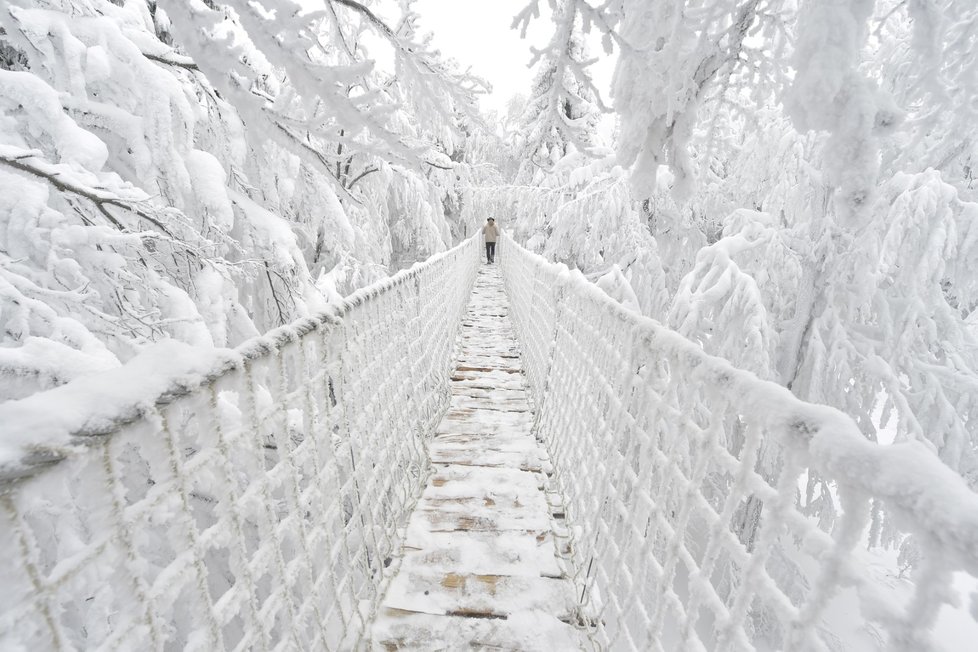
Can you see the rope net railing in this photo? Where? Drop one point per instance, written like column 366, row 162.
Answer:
column 254, row 505
column 686, row 489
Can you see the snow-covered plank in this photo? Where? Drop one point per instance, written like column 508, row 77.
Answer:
column 479, row 566
column 525, row 631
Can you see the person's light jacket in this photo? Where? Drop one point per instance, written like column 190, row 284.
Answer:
column 491, row 232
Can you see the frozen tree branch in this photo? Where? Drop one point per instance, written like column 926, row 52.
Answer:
column 189, row 65
column 98, row 198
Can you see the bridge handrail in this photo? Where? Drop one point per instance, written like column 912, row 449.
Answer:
column 682, row 477
column 36, row 436
column 245, row 498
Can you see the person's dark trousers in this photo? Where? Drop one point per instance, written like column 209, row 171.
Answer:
column 490, row 251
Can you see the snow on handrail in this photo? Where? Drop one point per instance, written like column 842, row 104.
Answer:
column 690, row 488
column 245, row 499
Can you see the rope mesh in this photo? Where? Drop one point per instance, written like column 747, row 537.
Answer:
column 681, row 477
column 259, row 508
column 256, row 511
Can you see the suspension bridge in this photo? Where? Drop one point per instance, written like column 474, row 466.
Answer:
column 463, row 456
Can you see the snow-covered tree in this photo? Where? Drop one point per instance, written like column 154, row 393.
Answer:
column 806, row 175
column 926, row 55
column 209, row 170
column 562, row 109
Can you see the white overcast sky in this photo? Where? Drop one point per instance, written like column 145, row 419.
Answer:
column 477, row 34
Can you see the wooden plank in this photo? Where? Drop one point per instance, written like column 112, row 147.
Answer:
column 528, row 631
column 479, row 567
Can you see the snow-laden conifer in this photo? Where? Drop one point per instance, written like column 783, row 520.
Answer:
column 562, row 109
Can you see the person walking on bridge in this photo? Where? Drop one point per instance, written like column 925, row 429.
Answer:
column 491, row 233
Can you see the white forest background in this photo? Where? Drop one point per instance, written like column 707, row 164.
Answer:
column 790, row 184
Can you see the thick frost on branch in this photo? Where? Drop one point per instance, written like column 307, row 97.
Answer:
column 149, row 194
column 830, row 94
column 677, row 57
column 562, row 111
column 720, row 304
column 326, row 91
column 902, row 334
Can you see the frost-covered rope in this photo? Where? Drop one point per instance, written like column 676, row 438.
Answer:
column 246, row 500
column 683, row 477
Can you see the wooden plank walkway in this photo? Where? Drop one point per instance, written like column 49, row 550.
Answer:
column 478, row 568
